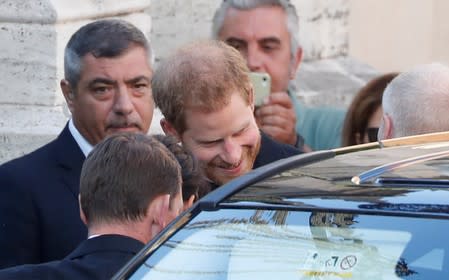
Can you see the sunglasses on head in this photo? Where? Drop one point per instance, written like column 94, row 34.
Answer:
column 372, row 133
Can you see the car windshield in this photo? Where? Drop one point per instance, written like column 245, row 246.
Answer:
column 270, row 244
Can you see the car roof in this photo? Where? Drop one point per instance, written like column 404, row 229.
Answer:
column 410, row 176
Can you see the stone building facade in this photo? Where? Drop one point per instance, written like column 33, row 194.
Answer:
column 33, row 35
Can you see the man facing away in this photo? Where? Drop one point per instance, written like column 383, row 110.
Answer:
column 266, row 33
column 416, row 102
column 107, row 87
column 130, row 189
column 204, row 93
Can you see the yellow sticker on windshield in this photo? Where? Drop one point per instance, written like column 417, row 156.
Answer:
column 327, row 273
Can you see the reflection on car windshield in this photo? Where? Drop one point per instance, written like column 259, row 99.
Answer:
column 389, row 167
column 265, row 244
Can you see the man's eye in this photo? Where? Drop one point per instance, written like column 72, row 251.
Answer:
column 241, row 132
column 141, row 86
column 235, row 46
column 269, row 47
column 101, row 90
column 210, row 143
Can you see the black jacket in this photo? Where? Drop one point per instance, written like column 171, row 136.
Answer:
column 96, row 258
column 39, row 213
column 271, row 150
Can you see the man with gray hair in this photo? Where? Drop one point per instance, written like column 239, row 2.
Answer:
column 107, row 88
column 416, row 102
column 266, row 33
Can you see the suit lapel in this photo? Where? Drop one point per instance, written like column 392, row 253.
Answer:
column 69, row 158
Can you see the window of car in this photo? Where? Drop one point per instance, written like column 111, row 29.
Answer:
column 286, row 244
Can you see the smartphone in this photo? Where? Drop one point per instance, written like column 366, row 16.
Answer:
column 262, row 86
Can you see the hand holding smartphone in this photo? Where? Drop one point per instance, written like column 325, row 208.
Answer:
column 262, row 86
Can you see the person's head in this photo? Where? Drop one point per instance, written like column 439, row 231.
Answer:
column 365, row 112
column 194, row 182
column 204, row 93
column 266, row 32
column 127, row 179
column 416, row 102
column 107, row 84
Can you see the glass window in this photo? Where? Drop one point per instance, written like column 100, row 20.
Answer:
column 267, row 244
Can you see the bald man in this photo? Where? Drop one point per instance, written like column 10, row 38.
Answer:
column 416, row 102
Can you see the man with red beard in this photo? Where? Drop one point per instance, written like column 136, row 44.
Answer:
column 205, row 95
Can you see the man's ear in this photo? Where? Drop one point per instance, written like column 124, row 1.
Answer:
column 168, row 129
column 385, row 128
column 388, row 127
column 82, row 215
column 158, row 211
column 68, row 93
column 296, row 61
column 188, row 203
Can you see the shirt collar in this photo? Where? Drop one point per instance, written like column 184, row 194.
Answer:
column 85, row 146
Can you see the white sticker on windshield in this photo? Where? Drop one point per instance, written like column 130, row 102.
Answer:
column 340, row 264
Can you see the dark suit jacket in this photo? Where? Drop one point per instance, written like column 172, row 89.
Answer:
column 39, row 213
column 96, row 258
column 271, row 150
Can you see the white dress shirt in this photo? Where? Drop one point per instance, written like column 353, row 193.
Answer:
column 85, row 146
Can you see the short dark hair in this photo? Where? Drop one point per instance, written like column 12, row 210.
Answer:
column 102, row 38
column 194, row 181
column 123, row 174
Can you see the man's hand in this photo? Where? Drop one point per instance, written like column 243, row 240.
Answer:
column 277, row 118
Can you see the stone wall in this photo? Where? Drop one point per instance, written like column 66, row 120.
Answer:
column 34, row 33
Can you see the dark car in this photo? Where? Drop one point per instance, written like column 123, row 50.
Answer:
column 375, row 213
